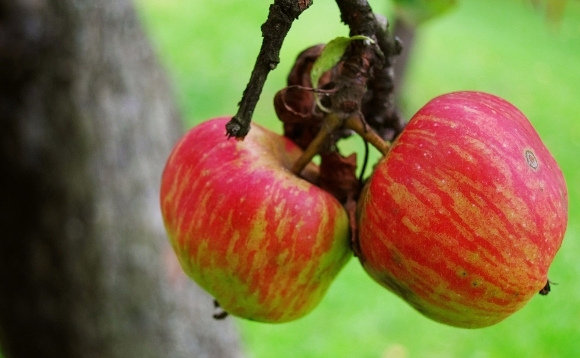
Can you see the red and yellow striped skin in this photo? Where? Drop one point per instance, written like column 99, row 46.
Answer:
column 265, row 243
column 465, row 214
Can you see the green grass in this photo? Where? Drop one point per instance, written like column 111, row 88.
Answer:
column 496, row 46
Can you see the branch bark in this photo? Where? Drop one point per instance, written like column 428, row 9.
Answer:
column 280, row 18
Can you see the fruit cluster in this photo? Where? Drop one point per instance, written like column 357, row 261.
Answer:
column 461, row 218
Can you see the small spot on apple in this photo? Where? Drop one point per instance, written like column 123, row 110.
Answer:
column 531, row 159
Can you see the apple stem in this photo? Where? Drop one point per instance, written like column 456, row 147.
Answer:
column 329, row 125
column 357, row 124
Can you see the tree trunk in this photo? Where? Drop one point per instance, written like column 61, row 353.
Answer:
column 86, row 123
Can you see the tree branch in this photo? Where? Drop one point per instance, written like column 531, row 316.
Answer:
column 379, row 107
column 274, row 30
column 358, row 15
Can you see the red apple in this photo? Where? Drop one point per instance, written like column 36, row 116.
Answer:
column 463, row 217
column 264, row 242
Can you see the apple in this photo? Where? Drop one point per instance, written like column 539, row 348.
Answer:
column 464, row 215
column 265, row 243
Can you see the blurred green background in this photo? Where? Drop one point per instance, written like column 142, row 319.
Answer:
column 503, row 47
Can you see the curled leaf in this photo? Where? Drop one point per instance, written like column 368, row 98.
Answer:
column 331, row 54
column 295, row 104
column 338, row 175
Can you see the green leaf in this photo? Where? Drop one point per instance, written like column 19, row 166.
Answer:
column 330, row 56
column 416, row 12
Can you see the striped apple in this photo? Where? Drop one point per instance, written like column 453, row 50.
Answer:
column 463, row 217
column 264, row 242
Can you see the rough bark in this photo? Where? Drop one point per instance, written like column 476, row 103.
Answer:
column 280, row 18
column 86, row 123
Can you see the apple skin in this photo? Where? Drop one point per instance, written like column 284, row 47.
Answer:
column 463, row 217
column 264, row 242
